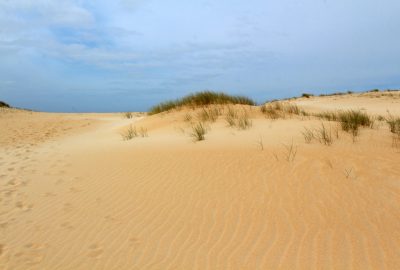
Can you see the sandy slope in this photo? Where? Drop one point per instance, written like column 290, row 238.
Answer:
column 82, row 198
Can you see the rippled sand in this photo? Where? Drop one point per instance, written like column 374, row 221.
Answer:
column 74, row 195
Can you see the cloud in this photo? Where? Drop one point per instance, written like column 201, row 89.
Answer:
column 154, row 48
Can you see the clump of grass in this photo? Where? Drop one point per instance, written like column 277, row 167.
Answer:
column 351, row 121
column 128, row 115
column 292, row 109
column 198, row 132
column 307, row 95
column 133, row 132
column 244, row 122
column 275, row 110
column 201, row 99
column 394, row 124
column 231, row 117
column 3, row 104
column 210, row 115
column 330, row 116
column 270, row 111
column 324, row 135
column 129, row 134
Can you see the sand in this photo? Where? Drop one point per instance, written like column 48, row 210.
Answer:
column 74, row 195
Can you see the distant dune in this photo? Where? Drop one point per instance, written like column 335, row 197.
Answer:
column 304, row 183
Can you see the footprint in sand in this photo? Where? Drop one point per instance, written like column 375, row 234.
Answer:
column 31, row 254
column 67, row 225
column 49, row 194
column 23, row 206
column 67, row 207
column 95, row 251
column 134, row 241
column 74, row 190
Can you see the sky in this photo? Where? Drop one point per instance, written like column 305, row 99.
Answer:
column 127, row 55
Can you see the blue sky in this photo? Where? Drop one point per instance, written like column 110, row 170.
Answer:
column 79, row 56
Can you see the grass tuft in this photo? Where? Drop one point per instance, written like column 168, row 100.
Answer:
column 129, row 134
column 324, row 135
column 198, row 132
column 394, row 124
column 351, row 121
column 244, row 122
column 201, row 99
column 128, row 115
column 132, row 132
column 307, row 95
column 3, row 104
column 231, row 117
column 270, row 111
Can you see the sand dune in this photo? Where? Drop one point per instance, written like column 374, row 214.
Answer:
column 74, row 195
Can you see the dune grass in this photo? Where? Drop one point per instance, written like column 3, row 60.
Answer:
column 198, row 131
column 231, row 117
column 130, row 133
column 270, row 112
column 133, row 132
column 394, row 124
column 209, row 115
column 277, row 109
column 3, row 104
column 351, row 121
column 128, row 115
column 330, row 116
column 201, row 99
column 244, row 122
column 307, row 95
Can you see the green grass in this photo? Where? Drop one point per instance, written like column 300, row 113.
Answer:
column 3, row 104
column 307, row 95
column 198, row 132
column 325, row 135
column 244, row 122
column 394, row 124
column 210, row 115
column 270, row 112
column 201, row 99
column 128, row 115
column 351, row 121
column 330, row 116
column 130, row 133
column 231, row 117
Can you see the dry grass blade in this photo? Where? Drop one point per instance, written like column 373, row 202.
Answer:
column 291, row 152
column 325, row 135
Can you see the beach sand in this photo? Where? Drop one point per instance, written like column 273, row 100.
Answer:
column 75, row 195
